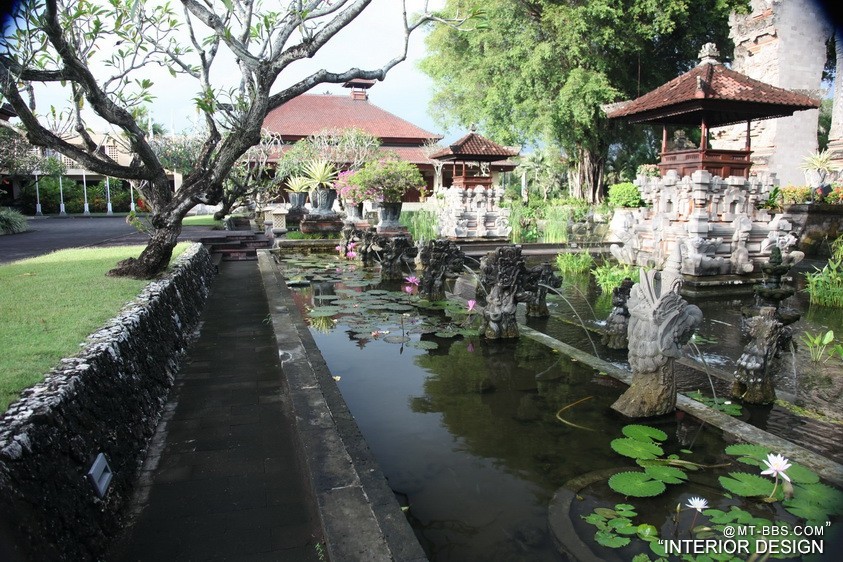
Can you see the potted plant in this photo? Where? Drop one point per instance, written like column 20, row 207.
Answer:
column 388, row 180
column 298, row 188
column 352, row 194
column 819, row 170
column 321, row 175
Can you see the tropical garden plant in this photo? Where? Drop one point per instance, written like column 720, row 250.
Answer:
column 609, row 275
column 574, row 262
column 388, row 179
column 12, row 221
column 825, row 286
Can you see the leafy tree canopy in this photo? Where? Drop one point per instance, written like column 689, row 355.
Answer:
column 538, row 71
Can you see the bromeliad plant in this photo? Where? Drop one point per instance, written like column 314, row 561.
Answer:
column 795, row 488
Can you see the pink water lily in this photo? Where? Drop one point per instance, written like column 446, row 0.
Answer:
column 351, row 255
column 413, row 280
column 471, row 304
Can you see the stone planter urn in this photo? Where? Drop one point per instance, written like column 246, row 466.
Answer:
column 388, row 215
column 297, row 199
column 324, row 201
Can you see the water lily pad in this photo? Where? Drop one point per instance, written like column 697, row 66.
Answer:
column 636, row 484
column 643, row 433
column 446, row 334
column 424, row 344
column 636, row 449
column 667, row 474
column 323, row 311
column 747, row 485
column 396, row 339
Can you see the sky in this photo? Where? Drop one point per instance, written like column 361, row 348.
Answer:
column 372, row 39
column 368, row 42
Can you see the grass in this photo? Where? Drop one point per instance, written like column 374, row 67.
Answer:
column 201, row 220
column 51, row 304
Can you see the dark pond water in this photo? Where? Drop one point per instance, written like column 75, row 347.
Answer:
column 475, row 437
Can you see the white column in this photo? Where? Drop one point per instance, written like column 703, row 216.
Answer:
column 37, row 198
column 86, row 209
column 61, row 198
column 108, row 197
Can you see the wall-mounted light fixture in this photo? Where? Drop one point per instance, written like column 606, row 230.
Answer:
column 100, row 475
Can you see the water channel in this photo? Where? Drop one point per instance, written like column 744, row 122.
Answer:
column 475, row 437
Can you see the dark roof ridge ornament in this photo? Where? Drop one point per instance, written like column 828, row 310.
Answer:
column 709, row 54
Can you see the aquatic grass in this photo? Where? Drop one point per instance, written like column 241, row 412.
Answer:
column 555, row 228
column 51, row 304
column 422, row 224
column 574, row 263
column 825, row 286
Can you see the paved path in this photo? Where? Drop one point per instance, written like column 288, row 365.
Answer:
column 48, row 234
column 223, row 479
column 228, row 484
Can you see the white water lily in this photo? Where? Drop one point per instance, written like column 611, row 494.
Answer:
column 697, row 503
column 776, row 465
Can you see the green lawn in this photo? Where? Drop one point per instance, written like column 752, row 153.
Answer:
column 201, row 220
column 50, row 304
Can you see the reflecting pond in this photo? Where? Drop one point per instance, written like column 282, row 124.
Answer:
column 475, row 437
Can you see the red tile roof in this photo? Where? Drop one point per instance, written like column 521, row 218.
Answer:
column 309, row 114
column 721, row 95
column 474, row 146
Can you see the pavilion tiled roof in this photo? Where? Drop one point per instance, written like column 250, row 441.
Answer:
column 710, row 90
column 474, row 147
column 309, row 114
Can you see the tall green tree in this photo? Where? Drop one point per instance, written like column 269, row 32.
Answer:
column 230, row 56
column 539, row 71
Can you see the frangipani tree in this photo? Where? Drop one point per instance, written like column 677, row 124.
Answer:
column 103, row 55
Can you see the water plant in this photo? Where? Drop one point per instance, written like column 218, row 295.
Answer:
column 720, row 404
column 422, row 224
column 573, row 263
column 803, row 499
column 825, row 286
column 609, row 275
column 817, row 344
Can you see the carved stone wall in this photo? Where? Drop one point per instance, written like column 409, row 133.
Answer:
column 711, row 226
column 782, row 43
column 106, row 399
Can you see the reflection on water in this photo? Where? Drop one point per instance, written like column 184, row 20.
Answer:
column 473, row 437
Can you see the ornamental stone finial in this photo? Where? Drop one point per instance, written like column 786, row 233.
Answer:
column 709, row 54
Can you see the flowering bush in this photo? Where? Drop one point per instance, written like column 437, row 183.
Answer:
column 388, row 180
column 351, row 191
column 835, row 196
column 795, row 195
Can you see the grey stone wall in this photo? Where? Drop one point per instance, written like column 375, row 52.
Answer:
column 106, row 399
column 818, row 224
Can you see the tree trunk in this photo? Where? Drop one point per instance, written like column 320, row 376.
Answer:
column 227, row 204
column 156, row 256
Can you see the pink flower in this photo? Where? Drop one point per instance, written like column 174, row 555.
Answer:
column 351, row 255
column 409, row 289
column 471, row 303
column 470, row 347
column 413, row 280
column 338, row 248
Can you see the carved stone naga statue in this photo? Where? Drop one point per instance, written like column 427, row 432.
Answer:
column 660, row 323
column 396, row 255
column 441, row 260
column 502, row 271
column 617, row 324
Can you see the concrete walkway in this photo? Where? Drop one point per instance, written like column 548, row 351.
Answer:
column 222, row 479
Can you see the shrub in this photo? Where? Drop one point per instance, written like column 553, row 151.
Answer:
column 11, row 221
column 624, row 195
